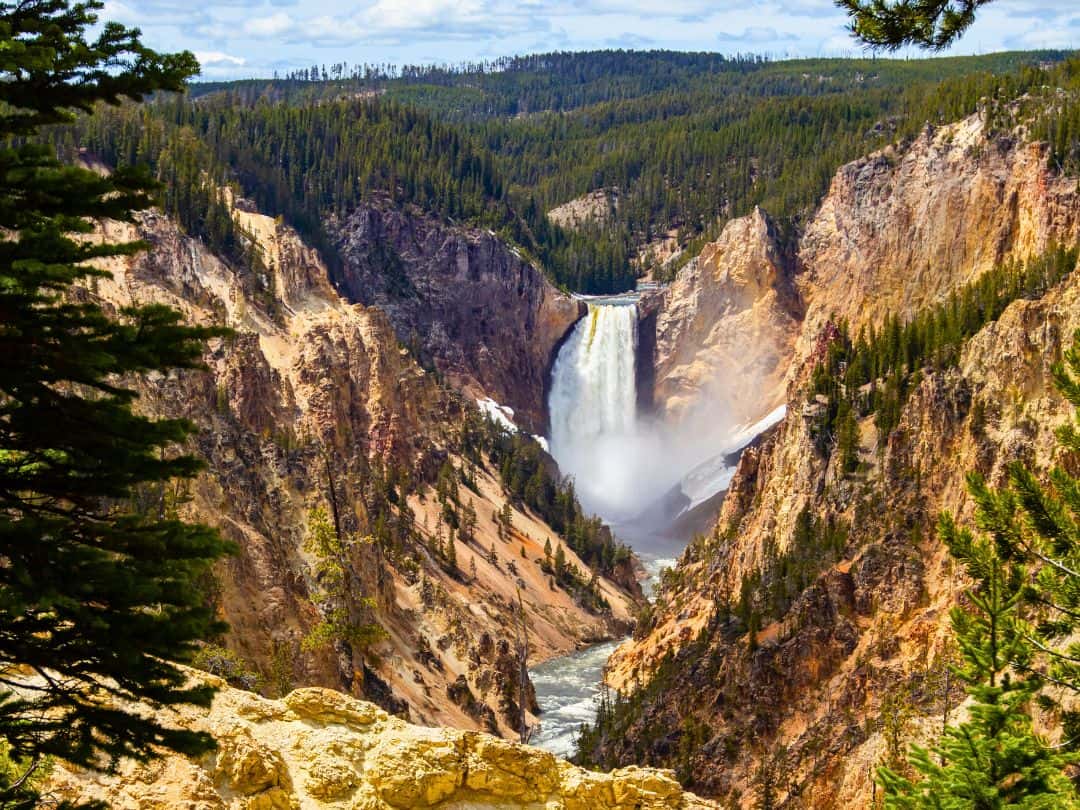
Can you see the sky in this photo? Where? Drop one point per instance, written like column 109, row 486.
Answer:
column 248, row 38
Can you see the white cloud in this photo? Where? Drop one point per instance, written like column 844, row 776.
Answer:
column 268, row 27
column 115, row 10
column 283, row 34
column 756, row 35
column 1046, row 37
column 395, row 15
column 218, row 58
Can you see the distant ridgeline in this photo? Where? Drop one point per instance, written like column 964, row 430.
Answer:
column 685, row 141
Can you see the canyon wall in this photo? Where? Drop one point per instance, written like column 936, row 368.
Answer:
column 908, row 224
column 726, row 327
column 315, row 403
column 898, row 230
column 803, row 702
column 473, row 307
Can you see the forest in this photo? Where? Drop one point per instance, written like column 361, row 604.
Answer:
column 683, row 141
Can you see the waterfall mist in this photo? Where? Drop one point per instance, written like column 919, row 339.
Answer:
column 621, row 464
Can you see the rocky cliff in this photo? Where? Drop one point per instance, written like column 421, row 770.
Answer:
column 595, row 208
column 898, row 230
column 853, row 645
column 909, row 224
column 317, row 748
column 477, row 310
column 726, row 327
column 315, row 403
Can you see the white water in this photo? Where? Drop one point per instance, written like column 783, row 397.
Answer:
column 622, row 466
column 568, row 688
column 622, row 463
column 593, row 405
column 715, row 474
column 568, row 691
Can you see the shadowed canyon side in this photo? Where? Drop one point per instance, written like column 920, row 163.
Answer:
column 318, row 748
column 820, row 598
column 471, row 306
column 314, row 403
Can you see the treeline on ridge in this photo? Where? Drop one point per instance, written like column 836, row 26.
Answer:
column 688, row 141
column 311, row 164
column 873, row 373
column 687, row 161
column 685, row 142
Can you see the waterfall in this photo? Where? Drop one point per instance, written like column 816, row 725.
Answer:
column 593, row 406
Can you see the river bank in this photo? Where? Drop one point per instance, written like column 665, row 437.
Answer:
column 568, row 687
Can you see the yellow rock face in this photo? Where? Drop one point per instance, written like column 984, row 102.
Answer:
column 318, row 748
column 308, row 369
column 727, row 327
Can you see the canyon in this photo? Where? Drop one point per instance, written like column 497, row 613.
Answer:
column 809, row 694
column 354, row 389
column 314, row 401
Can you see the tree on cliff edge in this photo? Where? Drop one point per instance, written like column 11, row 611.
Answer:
column 892, row 24
column 1017, row 642
column 98, row 579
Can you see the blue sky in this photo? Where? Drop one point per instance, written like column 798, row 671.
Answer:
column 239, row 38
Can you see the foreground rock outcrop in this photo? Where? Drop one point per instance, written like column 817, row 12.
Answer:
column 317, row 748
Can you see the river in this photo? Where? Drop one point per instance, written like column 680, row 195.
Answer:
column 625, row 466
column 568, row 687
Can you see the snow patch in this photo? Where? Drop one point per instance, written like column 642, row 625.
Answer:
column 715, row 475
column 503, row 416
column 500, row 414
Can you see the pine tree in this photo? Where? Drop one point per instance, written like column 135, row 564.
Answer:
column 560, row 560
column 468, row 522
column 437, row 538
column 766, row 782
column 892, row 24
column 1049, row 536
column 847, row 439
column 337, row 591
column 506, row 520
column 451, row 552
column 1016, row 642
column 99, row 588
column 995, row 759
